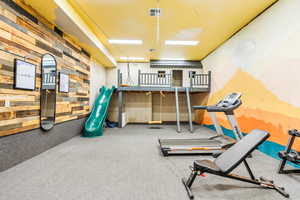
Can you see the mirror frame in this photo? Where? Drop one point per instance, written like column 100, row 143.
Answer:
column 55, row 94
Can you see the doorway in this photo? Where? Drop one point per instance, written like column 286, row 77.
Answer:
column 177, row 78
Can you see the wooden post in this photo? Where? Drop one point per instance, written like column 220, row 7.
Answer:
column 119, row 78
column 120, row 108
column 209, row 80
column 177, row 110
column 139, row 77
column 191, row 79
column 171, row 79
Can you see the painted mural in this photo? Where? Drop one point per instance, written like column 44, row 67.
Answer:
column 261, row 109
column 262, row 61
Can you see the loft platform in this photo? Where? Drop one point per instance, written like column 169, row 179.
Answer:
column 155, row 82
column 158, row 89
column 187, row 83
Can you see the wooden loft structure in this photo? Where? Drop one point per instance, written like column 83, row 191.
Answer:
column 158, row 82
column 164, row 82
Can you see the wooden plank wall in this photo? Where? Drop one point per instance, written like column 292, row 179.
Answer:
column 23, row 37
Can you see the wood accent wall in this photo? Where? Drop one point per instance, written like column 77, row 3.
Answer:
column 21, row 36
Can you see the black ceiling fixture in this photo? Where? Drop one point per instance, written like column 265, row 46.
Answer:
column 176, row 64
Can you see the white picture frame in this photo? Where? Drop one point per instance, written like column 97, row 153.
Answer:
column 63, row 82
column 24, row 75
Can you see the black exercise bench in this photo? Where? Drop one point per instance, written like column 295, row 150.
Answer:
column 229, row 160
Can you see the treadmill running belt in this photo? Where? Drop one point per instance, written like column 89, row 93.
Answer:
column 188, row 142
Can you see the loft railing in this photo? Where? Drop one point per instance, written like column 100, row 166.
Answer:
column 154, row 79
column 200, row 80
column 165, row 80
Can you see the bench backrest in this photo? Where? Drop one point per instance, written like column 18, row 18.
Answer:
column 231, row 158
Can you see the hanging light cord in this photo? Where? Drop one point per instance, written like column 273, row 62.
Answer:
column 158, row 22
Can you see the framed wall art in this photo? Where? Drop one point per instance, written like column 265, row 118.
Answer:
column 63, row 82
column 24, row 75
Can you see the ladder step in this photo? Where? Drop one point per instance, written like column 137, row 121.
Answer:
column 154, row 122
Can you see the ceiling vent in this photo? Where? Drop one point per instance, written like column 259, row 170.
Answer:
column 154, row 12
column 176, row 64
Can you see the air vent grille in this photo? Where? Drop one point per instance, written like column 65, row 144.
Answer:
column 58, row 31
column 176, row 64
column 154, row 12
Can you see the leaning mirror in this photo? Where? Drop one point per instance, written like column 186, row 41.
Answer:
column 48, row 91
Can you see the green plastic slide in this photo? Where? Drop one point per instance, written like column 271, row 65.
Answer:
column 94, row 125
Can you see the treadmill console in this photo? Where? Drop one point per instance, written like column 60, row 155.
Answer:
column 228, row 104
column 230, row 99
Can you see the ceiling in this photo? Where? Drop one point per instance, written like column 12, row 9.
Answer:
column 211, row 22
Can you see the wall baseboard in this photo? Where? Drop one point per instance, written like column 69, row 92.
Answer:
column 15, row 149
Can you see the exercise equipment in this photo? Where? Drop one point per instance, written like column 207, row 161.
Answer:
column 289, row 155
column 231, row 159
column 212, row 145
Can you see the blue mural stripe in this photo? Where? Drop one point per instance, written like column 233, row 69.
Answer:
column 269, row 148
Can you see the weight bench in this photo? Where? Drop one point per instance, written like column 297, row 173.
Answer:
column 224, row 164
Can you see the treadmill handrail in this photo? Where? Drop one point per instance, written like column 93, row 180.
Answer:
column 224, row 109
column 216, row 108
column 199, row 107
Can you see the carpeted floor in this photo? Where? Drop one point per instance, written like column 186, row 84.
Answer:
column 126, row 164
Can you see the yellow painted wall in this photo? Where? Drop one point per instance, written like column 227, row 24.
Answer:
column 263, row 62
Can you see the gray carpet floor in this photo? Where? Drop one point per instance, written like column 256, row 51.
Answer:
column 127, row 164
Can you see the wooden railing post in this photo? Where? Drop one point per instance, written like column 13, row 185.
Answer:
column 119, row 78
column 209, row 80
column 139, row 77
column 171, row 79
column 191, row 79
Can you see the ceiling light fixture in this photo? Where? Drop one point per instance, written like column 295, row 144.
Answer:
column 113, row 41
column 132, row 58
column 181, row 42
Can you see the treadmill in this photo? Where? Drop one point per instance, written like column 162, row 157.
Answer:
column 212, row 145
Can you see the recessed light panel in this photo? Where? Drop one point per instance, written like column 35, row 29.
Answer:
column 181, row 42
column 132, row 58
column 117, row 41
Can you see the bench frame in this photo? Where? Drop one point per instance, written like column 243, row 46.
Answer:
column 198, row 170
